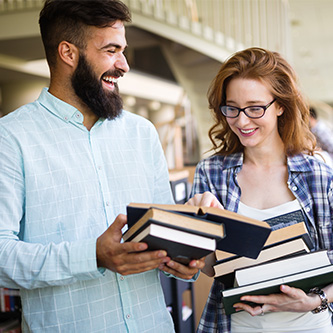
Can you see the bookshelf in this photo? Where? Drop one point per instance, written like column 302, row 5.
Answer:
column 10, row 310
column 179, row 298
column 179, row 185
column 179, row 295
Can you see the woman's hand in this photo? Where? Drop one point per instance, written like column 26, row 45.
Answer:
column 291, row 299
column 206, row 199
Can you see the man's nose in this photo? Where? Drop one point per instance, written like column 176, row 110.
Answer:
column 121, row 63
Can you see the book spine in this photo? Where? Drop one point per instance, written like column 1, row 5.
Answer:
column 2, row 300
column 7, row 300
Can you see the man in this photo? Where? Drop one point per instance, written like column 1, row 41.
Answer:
column 70, row 162
column 321, row 131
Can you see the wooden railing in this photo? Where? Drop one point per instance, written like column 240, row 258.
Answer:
column 231, row 24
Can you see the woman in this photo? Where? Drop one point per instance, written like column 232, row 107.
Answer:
column 264, row 167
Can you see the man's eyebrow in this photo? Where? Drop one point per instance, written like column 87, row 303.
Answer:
column 110, row 45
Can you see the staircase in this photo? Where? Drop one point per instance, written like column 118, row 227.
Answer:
column 216, row 28
column 198, row 35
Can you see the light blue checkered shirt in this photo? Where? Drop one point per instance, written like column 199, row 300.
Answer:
column 61, row 186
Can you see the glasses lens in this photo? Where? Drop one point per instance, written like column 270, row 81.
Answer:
column 229, row 111
column 255, row 111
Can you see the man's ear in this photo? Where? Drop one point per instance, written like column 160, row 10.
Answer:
column 68, row 53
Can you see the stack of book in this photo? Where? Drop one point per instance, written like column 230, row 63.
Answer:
column 301, row 271
column 183, row 237
column 286, row 258
column 290, row 240
column 251, row 258
column 191, row 232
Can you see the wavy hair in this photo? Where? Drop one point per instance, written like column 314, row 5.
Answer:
column 273, row 70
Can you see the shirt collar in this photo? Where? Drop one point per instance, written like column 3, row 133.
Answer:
column 233, row 160
column 58, row 107
column 299, row 163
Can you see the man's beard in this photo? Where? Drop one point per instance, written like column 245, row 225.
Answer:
column 103, row 104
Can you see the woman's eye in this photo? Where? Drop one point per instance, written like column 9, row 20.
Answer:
column 254, row 109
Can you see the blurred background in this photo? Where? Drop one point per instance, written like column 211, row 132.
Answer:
column 175, row 49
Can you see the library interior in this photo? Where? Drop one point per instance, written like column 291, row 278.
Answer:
column 175, row 49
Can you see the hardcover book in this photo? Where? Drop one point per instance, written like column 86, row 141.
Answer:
column 282, row 267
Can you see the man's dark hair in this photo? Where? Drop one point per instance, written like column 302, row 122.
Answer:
column 66, row 20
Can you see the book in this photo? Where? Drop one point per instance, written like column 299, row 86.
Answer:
column 303, row 279
column 183, row 237
column 279, row 236
column 282, row 267
column 225, row 269
column 243, row 235
column 175, row 220
column 181, row 246
column 287, row 241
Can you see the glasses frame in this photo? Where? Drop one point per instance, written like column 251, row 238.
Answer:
column 264, row 107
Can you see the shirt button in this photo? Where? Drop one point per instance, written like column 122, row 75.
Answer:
column 128, row 316
column 99, row 167
column 122, row 278
column 108, row 203
column 307, row 209
column 66, row 118
column 294, row 188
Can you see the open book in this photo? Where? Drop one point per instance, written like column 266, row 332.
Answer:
column 243, row 236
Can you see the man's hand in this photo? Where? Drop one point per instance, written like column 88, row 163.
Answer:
column 126, row 258
column 206, row 199
column 182, row 271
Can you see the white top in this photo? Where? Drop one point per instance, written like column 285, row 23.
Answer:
column 264, row 214
column 274, row 322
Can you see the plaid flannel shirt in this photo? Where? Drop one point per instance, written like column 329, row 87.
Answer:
column 309, row 180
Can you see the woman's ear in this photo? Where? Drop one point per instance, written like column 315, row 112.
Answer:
column 280, row 111
column 68, row 53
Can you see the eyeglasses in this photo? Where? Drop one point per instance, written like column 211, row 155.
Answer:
column 253, row 111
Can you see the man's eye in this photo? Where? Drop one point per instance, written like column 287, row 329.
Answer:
column 112, row 51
